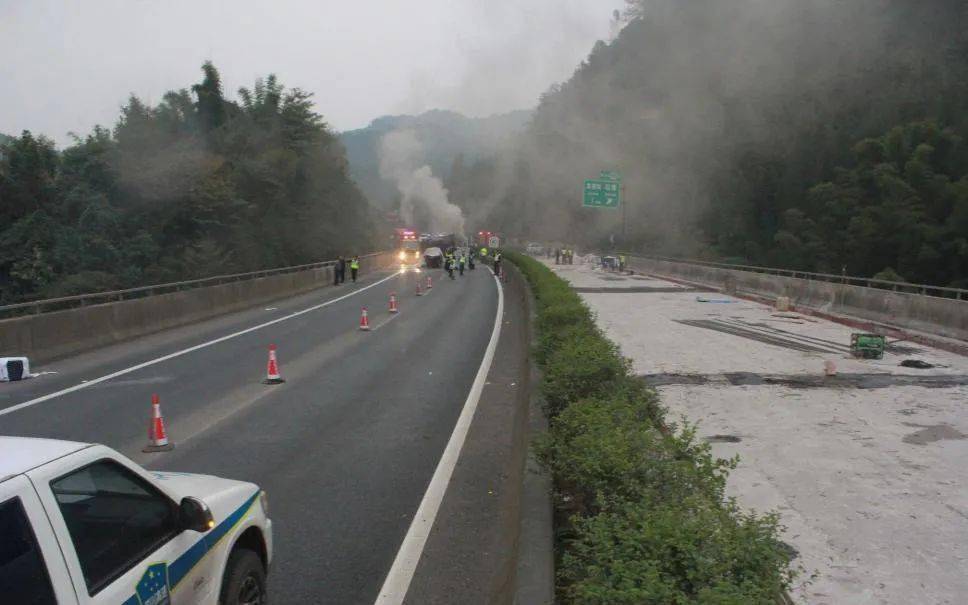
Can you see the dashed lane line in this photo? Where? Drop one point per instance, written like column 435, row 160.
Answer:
column 134, row 368
column 385, row 321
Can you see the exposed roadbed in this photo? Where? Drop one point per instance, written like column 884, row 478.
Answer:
column 866, row 468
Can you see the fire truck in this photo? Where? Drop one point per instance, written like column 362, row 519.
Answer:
column 408, row 247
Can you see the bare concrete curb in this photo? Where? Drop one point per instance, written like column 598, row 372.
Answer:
column 535, row 575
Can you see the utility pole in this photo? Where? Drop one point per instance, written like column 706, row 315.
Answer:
column 625, row 201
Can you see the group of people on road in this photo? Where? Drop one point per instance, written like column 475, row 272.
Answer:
column 339, row 270
column 564, row 256
column 457, row 259
column 613, row 263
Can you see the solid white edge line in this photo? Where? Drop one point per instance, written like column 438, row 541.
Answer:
column 203, row 345
column 397, row 582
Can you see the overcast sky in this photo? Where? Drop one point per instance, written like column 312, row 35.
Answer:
column 68, row 65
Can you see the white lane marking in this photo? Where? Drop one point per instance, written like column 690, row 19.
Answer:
column 87, row 383
column 398, row 580
column 385, row 322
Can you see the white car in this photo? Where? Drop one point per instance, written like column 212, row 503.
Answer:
column 80, row 524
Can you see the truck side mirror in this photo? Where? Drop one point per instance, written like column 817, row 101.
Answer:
column 195, row 515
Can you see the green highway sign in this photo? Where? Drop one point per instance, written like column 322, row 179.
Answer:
column 601, row 193
column 610, row 175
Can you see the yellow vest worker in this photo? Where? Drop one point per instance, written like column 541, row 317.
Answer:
column 483, row 251
column 354, row 268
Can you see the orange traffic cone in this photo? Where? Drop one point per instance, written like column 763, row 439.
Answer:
column 419, row 291
column 272, row 368
column 430, row 283
column 157, row 437
column 393, row 303
column 364, row 322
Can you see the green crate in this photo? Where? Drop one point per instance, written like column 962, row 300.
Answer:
column 867, row 346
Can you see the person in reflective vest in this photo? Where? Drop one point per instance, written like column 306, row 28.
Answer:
column 354, row 267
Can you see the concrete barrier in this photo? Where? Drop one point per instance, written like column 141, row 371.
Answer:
column 947, row 317
column 59, row 334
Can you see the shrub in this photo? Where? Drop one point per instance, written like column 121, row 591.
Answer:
column 691, row 551
column 643, row 518
column 583, row 364
column 610, row 448
column 557, row 321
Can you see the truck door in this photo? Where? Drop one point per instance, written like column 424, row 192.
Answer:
column 121, row 535
column 32, row 568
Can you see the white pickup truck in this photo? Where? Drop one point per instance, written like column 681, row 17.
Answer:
column 82, row 524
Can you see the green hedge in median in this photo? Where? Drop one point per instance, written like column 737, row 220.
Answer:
column 642, row 514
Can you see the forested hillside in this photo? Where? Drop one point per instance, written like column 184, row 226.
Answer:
column 448, row 139
column 809, row 134
column 195, row 186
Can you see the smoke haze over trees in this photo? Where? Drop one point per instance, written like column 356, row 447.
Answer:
column 195, row 186
column 809, row 134
column 445, row 137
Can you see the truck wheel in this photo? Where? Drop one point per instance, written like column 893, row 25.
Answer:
column 244, row 582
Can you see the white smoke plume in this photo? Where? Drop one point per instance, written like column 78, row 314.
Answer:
column 423, row 195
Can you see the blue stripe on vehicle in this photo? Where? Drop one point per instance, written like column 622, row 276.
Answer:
column 180, row 567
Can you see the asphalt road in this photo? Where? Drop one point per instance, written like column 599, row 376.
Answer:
column 345, row 447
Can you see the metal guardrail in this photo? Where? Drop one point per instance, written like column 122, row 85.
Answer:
column 82, row 300
column 866, row 282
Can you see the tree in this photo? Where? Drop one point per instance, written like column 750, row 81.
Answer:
column 210, row 105
column 184, row 189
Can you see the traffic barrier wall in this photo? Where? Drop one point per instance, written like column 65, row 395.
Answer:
column 946, row 317
column 62, row 333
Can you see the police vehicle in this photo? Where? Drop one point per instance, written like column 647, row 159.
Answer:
column 82, row 524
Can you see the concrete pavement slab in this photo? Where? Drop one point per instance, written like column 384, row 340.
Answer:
column 866, row 469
